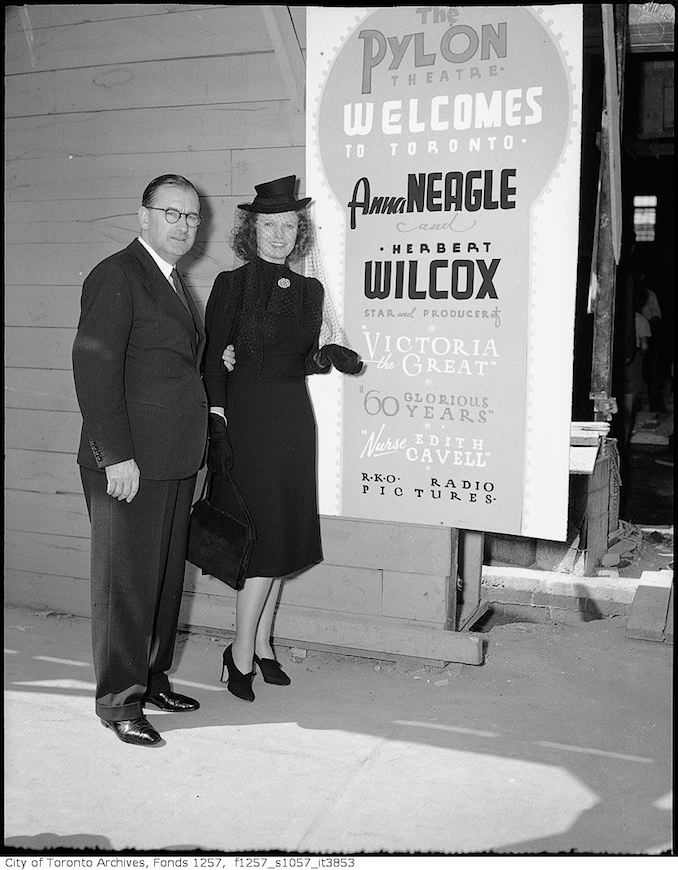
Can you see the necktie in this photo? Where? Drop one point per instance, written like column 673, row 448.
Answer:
column 179, row 287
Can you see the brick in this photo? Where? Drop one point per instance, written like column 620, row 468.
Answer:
column 563, row 602
column 506, row 595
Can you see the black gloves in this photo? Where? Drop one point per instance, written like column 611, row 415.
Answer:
column 343, row 359
column 315, row 367
column 220, row 451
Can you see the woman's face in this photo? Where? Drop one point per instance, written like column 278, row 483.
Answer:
column 276, row 235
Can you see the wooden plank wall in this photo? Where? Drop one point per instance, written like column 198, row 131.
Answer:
column 99, row 100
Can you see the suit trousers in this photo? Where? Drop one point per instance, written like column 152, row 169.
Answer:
column 137, row 565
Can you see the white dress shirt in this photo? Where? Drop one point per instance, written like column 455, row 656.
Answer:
column 165, row 267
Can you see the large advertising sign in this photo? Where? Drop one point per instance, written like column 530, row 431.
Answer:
column 443, row 148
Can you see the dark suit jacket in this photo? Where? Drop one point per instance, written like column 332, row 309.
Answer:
column 136, row 364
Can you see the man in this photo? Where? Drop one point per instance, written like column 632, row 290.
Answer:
column 654, row 381
column 136, row 364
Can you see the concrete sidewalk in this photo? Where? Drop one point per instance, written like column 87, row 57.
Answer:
column 560, row 741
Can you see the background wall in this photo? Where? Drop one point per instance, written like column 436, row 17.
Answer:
column 99, row 100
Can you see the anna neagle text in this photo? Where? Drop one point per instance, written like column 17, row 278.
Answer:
column 478, row 189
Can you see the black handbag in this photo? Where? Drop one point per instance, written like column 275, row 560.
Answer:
column 218, row 542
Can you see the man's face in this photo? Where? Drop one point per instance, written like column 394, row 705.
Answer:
column 169, row 241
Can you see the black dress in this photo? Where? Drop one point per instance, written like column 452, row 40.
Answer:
column 274, row 328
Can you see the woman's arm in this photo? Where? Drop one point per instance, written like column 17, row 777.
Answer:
column 321, row 359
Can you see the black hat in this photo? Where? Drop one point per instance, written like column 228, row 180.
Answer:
column 274, row 197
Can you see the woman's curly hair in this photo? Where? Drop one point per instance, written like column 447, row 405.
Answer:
column 244, row 237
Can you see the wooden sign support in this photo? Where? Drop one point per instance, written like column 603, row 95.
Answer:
column 470, row 609
column 608, row 212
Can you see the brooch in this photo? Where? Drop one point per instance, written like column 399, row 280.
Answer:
column 283, row 283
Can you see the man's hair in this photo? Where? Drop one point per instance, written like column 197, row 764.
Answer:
column 165, row 181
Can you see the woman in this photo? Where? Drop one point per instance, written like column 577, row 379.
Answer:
column 262, row 426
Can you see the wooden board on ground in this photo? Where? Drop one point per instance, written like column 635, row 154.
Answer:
column 648, row 614
column 286, row 643
column 668, row 630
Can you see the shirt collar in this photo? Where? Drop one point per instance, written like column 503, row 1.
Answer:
column 165, row 267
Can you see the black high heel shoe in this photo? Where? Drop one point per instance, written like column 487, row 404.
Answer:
column 238, row 684
column 272, row 672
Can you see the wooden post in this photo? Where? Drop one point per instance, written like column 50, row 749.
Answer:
column 603, row 316
column 609, row 213
column 471, row 546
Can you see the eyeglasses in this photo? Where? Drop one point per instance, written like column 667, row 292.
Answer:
column 172, row 216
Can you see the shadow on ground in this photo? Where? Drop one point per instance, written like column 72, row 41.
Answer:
column 560, row 741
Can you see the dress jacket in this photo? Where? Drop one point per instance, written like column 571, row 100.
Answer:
column 222, row 323
column 136, row 365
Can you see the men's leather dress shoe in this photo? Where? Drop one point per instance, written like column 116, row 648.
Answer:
column 139, row 731
column 173, row 702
